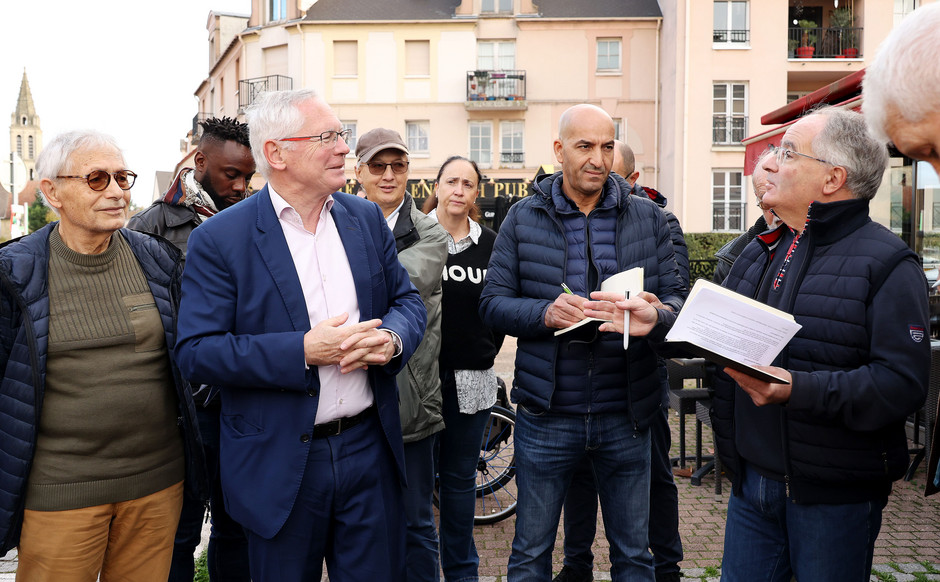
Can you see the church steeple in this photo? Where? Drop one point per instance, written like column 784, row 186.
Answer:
column 25, row 133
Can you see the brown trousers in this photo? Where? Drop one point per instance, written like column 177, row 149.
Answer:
column 130, row 541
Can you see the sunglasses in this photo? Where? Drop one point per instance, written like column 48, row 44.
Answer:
column 99, row 179
column 378, row 168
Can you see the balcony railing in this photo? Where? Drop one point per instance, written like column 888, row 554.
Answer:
column 512, row 157
column 728, row 129
column 197, row 129
column 496, row 85
column 731, row 36
column 250, row 89
column 825, row 43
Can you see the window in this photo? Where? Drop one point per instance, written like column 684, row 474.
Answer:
column 618, row 128
column 345, row 58
column 417, row 58
column 727, row 200
column 729, row 113
column 731, row 24
column 351, row 141
column 608, row 54
column 481, row 142
column 496, row 6
column 902, row 8
column 511, row 150
column 19, row 145
column 417, row 136
column 31, row 150
column 794, row 95
column 496, row 55
column 277, row 9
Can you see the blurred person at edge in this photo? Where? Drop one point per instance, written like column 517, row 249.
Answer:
column 766, row 221
column 382, row 173
column 468, row 351
column 901, row 103
column 220, row 178
column 580, row 522
column 100, row 426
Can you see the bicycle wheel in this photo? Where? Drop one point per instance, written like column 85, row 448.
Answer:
column 496, row 489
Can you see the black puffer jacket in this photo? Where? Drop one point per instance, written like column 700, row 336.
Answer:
column 24, row 341
column 860, row 363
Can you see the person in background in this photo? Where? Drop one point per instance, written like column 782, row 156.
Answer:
column 295, row 305
column 382, row 172
column 99, row 426
column 812, row 460
column 727, row 254
column 581, row 502
column 901, row 93
column 468, row 351
column 580, row 395
column 220, row 178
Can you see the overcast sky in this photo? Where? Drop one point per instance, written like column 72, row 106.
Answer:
column 125, row 67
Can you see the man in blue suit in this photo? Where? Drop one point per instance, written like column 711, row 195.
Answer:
column 295, row 304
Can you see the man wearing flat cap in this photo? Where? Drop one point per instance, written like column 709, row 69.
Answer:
column 382, row 172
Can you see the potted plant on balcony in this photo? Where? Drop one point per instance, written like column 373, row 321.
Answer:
column 843, row 20
column 808, row 44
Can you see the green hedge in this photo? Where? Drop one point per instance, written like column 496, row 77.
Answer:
column 704, row 245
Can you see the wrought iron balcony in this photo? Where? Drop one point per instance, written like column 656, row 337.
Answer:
column 250, row 89
column 825, row 43
column 728, row 129
column 512, row 157
column 731, row 36
column 501, row 89
column 197, row 129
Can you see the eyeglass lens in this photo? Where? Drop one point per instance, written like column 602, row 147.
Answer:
column 99, row 179
column 378, row 168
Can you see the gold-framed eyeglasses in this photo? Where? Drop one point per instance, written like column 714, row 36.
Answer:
column 98, row 180
column 783, row 154
column 378, row 168
column 328, row 138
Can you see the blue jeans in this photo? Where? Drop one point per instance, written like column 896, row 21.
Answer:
column 421, row 542
column 769, row 538
column 581, row 507
column 227, row 554
column 549, row 448
column 458, row 455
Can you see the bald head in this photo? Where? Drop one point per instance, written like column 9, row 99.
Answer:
column 580, row 115
column 625, row 162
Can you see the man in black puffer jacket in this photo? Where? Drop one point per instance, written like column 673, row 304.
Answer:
column 580, row 394
column 813, row 460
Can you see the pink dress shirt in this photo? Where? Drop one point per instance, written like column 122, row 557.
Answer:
column 329, row 290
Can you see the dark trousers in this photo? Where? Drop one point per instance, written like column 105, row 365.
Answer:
column 349, row 511
column 581, row 507
column 227, row 554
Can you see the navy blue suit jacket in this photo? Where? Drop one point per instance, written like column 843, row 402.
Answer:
column 241, row 327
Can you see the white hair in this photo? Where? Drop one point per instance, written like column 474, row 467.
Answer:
column 275, row 115
column 845, row 141
column 904, row 77
column 54, row 159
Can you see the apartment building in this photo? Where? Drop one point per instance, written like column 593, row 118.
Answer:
column 727, row 63
column 486, row 79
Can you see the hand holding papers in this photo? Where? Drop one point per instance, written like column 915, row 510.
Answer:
column 732, row 330
column 626, row 281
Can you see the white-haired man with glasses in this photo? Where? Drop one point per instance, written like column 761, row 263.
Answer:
column 295, row 304
column 813, row 460
column 99, row 427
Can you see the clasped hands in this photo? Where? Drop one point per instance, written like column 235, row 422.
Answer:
column 352, row 347
column 568, row 309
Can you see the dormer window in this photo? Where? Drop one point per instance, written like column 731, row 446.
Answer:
column 494, row 6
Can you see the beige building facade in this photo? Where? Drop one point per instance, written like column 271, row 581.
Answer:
column 485, row 79
column 725, row 65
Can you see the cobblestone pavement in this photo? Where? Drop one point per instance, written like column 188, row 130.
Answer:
column 908, row 547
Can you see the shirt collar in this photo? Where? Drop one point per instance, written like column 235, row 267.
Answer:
column 284, row 211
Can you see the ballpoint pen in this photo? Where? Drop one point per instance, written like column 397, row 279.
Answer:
column 567, row 290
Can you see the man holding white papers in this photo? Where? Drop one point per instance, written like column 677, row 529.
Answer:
column 813, row 460
column 580, row 394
